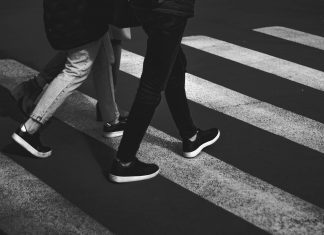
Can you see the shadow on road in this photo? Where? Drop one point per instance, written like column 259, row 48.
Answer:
column 9, row 106
column 14, row 149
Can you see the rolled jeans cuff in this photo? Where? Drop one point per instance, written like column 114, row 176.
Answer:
column 38, row 119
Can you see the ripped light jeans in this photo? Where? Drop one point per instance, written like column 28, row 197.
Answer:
column 97, row 57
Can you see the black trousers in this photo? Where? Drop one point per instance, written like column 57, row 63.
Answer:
column 163, row 70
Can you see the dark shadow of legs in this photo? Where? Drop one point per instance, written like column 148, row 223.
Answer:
column 9, row 106
column 15, row 149
column 102, row 153
column 2, row 232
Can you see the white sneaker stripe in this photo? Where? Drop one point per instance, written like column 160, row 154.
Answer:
column 30, row 148
column 127, row 179
column 113, row 134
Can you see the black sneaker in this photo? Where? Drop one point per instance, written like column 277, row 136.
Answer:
column 32, row 143
column 113, row 130
column 136, row 171
column 122, row 118
column 204, row 138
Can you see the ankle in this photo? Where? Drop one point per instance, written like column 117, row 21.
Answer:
column 30, row 126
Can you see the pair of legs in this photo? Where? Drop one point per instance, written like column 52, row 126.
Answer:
column 27, row 92
column 163, row 70
column 96, row 57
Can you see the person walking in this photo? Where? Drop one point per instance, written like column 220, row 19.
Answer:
column 78, row 28
column 27, row 92
column 164, row 68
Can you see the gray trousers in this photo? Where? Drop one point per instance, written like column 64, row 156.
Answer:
column 96, row 57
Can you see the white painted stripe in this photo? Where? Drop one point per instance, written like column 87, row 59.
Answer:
column 29, row 206
column 289, row 125
column 294, row 36
column 248, row 197
column 264, row 62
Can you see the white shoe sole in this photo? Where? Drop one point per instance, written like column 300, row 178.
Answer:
column 127, row 179
column 201, row 147
column 30, row 148
column 113, row 134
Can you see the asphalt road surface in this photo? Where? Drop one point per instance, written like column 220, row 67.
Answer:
column 255, row 71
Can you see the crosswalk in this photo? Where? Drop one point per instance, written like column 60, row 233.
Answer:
column 224, row 185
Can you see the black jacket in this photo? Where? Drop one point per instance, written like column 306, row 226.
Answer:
column 72, row 23
column 175, row 7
